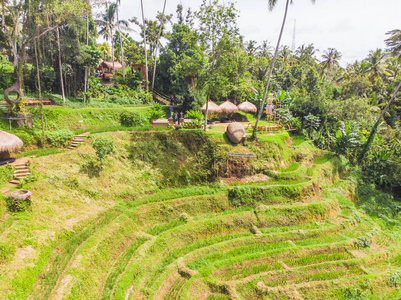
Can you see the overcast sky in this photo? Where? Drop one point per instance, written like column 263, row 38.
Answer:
column 353, row 27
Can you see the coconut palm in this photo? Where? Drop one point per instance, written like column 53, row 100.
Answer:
column 144, row 43
column 305, row 53
column 105, row 49
column 394, row 42
column 377, row 65
column 107, row 25
column 252, row 48
column 118, row 2
column 330, row 61
column 157, row 45
column 272, row 4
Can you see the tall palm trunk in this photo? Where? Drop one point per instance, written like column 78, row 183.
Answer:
column 121, row 41
column 86, row 68
column 157, row 46
column 144, row 40
column 112, row 50
column 59, row 65
column 255, row 130
column 374, row 129
column 39, row 89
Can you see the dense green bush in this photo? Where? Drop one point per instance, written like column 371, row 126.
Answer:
column 103, row 148
column 157, row 111
column 59, row 137
column 17, row 205
column 131, row 119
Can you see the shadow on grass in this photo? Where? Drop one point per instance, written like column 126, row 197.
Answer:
column 92, row 168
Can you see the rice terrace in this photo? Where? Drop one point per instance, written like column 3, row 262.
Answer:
column 171, row 157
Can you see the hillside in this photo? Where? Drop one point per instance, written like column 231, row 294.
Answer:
column 165, row 218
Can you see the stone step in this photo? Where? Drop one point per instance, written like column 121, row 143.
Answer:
column 27, row 170
column 19, row 167
column 22, row 175
column 15, row 181
column 19, row 177
column 70, row 148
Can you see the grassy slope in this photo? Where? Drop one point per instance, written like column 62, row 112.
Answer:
column 93, row 235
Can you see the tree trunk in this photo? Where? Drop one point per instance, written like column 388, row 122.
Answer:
column 59, row 65
column 157, row 46
column 65, row 82
column 144, row 40
column 112, row 51
column 374, row 129
column 207, row 113
column 39, row 89
column 121, row 41
column 86, row 68
column 255, row 130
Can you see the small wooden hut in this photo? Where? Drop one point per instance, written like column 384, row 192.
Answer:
column 8, row 143
column 140, row 68
column 106, row 68
column 247, row 107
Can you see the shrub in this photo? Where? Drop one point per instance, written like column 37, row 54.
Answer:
column 131, row 119
column 17, row 205
column 103, row 148
column 346, row 137
column 157, row 111
column 394, row 279
column 59, row 137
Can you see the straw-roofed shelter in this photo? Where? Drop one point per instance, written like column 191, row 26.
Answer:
column 213, row 107
column 228, row 107
column 247, row 107
column 8, row 143
column 109, row 65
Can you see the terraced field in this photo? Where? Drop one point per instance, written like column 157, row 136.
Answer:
column 289, row 233
column 292, row 237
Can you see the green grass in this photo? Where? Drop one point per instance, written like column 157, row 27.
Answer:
column 41, row 152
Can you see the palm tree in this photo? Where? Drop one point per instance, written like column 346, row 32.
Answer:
column 252, row 48
column 157, row 45
column 376, row 62
column 118, row 2
column 106, row 24
column 105, row 49
column 144, row 42
column 305, row 53
column 394, row 42
column 272, row 4
column 330, row 61
column 376, row 125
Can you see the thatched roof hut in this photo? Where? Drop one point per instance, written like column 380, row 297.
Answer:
column 228, row 107
column 247, row 107
column 213, row 107
column 109, row 65
column 9, row 142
